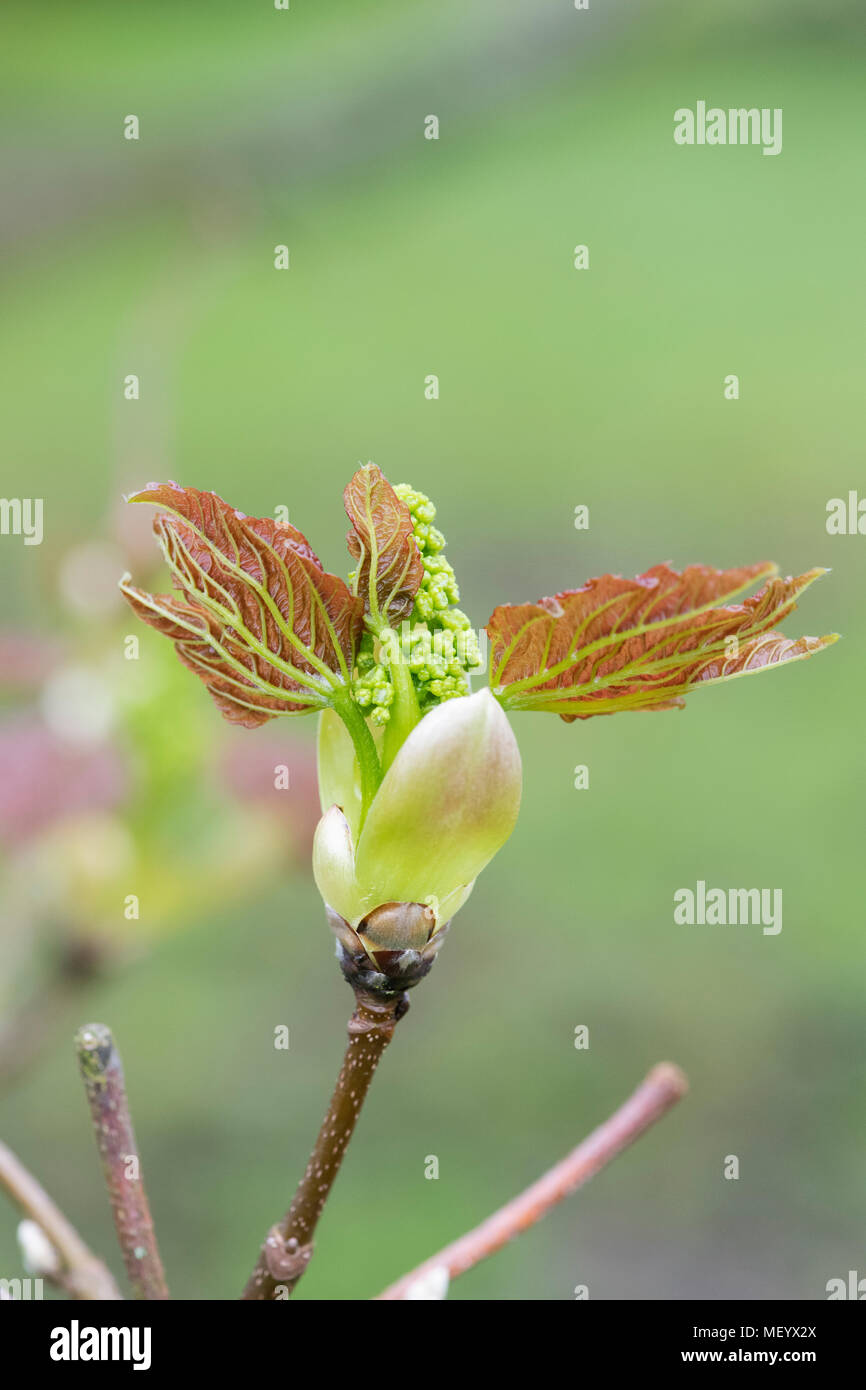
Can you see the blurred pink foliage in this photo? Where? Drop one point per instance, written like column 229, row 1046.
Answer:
column 46, row 779
column 25, row 660
column 249, row 772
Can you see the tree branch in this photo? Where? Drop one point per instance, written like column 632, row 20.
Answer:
column 81, row 1274
column 661, row 1089
column 288, row 1247
column 102, row 1072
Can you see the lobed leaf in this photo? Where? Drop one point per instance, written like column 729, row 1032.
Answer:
column 642, row 643
column 259, row 621
column 389, row 564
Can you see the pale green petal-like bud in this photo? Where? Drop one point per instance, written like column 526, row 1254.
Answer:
column 448, row 802
column 446, row 907
column 334, row 865
column 339, row 775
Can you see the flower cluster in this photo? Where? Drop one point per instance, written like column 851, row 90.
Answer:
column 437, row 643
column 371, row 682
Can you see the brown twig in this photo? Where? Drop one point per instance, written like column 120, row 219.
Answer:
column 661, row 1089
column 81, row 1274
column 288, row 1247
column 102, row 1073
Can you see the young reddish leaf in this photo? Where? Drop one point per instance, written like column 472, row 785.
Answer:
column 642, row 643
column 390, row 568
column 264, row 626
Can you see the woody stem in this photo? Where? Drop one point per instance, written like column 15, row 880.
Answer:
column 288, row 1247
column 79, row 1272
column 102, row 1073
column 661, row 1089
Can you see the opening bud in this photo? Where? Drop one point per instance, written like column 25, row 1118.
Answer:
column 445, row 806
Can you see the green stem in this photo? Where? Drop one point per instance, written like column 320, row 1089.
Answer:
column 365, row 751
column 405, row 713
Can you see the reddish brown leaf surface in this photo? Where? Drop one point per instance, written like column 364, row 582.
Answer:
column 259, row 621
column 390, row 568
column 642, row 643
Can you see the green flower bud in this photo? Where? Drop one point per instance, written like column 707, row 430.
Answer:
column 447, row 803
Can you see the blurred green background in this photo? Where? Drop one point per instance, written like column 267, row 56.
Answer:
column 558, row 387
